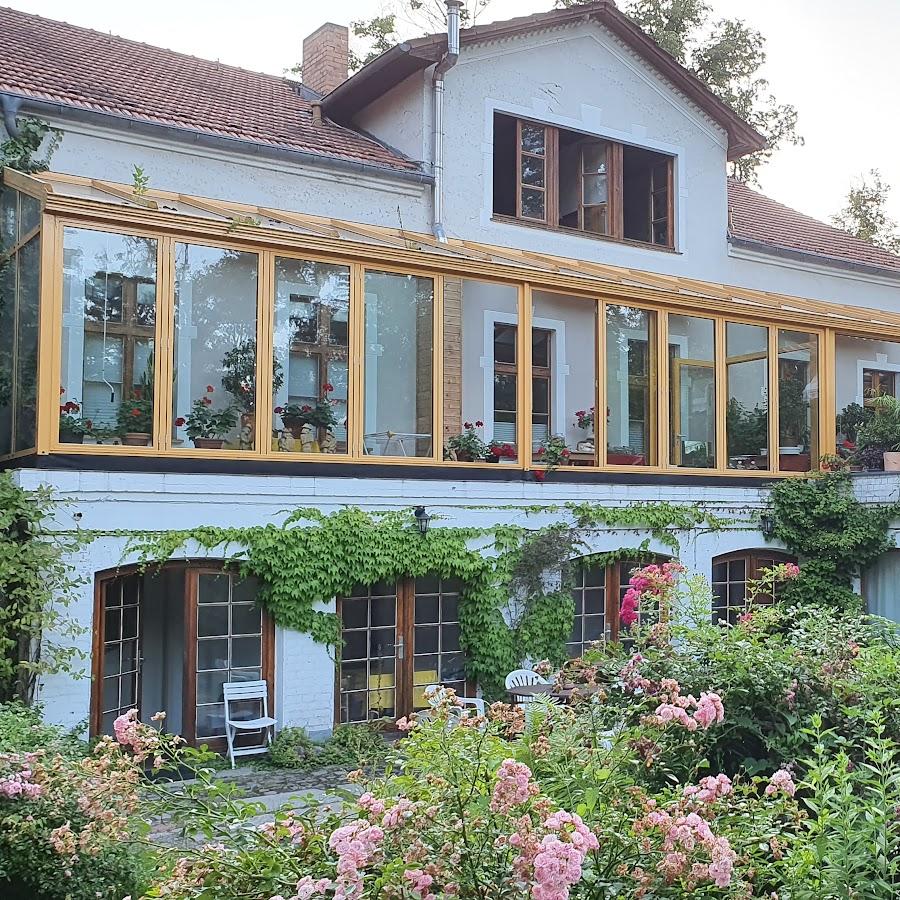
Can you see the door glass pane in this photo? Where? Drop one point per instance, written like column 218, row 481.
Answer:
column 366, row 674
column 108, row 327
column 747, row 414
column 121, row 646
column 223, row 657
column 311, row 346
column 533, row 171
column 533, row 138
column 436, row 654
column 214, row 400
column 532, row 203
column 798, row 401
column 399, row 317
column 631, row 391
column 692, row 386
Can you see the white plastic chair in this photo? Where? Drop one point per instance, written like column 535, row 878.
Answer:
column 241, row 692
column 520, row 678
column 433, row 696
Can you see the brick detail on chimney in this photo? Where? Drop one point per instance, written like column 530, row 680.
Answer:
column 326, row 55
column 452, row 357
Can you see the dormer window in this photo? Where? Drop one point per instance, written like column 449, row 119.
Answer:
column 568, row 180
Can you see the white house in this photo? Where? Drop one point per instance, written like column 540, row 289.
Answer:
column 319, row 284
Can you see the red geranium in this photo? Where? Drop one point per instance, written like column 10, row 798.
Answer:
column 279, row 410
column 179, row 422
column 135, row 412
column 209, row 389
column 327, row 387
column 207, row 401
column 539, row 474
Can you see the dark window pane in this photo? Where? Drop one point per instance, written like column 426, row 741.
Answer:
column 428, row 584
column 129, row 622
column 426, row 639
column 449, row 638
column 532, row 171
column 381, row 642
column 213, row 589
column 426, row 609
column 353, row 676
column 593, row 628
column 354, row 613
column 246, row 651
column 209, row 686
column 245, row 619
column 594, row 600
column 505, row 344
column 532, row 203
column 212, row 620
column 384, row 611
column 212, row 654
column 504, row 392
column 720, row 571
column 594, row 575
column 453, row 667
column 450, row 608
column 355, row 644
column 540, row 347
column 244, row 590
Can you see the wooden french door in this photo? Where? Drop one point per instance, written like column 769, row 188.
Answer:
column 170, row 639
column 397, row 639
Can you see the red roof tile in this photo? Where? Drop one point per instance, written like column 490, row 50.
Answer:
column 61, row 63
column 755, row 217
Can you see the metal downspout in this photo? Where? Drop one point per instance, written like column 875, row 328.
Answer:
column 448, row 61
column 11, row 106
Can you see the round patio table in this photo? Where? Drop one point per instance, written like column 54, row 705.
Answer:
column 563, row 694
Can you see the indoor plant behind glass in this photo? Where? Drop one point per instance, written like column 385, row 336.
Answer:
column 207, row 427
column 239, row 378
column 134, row 419
column 72, row 427
column 881, row 433
column 467, row 446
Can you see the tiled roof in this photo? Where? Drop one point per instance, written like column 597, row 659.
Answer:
column 78, row 67
column 755, row 217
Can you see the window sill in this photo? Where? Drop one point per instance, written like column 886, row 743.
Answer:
column 574, row 232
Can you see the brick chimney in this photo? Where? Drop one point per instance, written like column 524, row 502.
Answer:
column 326, row 54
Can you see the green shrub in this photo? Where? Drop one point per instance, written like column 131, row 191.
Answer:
column 22, row 730
column 353, row 746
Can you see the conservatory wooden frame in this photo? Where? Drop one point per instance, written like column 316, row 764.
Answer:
column 169, row 218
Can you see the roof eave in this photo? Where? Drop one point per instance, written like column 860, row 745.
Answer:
column 216, row 141
column 809, row 256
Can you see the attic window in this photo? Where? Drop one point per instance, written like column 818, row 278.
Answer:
column 569, row 180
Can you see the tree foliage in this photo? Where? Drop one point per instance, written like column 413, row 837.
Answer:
column 865, row 215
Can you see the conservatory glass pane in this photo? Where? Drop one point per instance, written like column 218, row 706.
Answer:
column 214, row 400
column 747, row 413
column 399, row 315
column 798, row 400
column 692, row 392
column 27, row 304
column 311, row 345
column 109, row 310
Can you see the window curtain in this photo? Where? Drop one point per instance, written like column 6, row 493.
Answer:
column 880, row 586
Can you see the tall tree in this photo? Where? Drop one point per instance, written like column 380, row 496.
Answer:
column 727, row 54
column 865, row 214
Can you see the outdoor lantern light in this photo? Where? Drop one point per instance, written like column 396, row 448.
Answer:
column 422, row 520
column 767, row 524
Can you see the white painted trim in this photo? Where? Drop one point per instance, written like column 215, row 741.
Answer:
column 863, row 364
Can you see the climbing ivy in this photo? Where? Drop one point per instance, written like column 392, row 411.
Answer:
column 35, row 587
column 834, row 534
column 507, row 609
column 19, row 152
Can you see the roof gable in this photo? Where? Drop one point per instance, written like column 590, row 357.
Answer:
column 45, row 60
column 401, row 61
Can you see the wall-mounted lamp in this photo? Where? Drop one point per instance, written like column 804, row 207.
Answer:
column 423, row 520
column 767, row 524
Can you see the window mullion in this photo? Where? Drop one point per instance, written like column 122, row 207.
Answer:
column 164, row 345
column 721, row 393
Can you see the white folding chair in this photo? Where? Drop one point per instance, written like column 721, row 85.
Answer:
column 243, row 692
column 433, row 696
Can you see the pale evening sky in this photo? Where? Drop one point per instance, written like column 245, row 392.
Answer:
column 836, row 62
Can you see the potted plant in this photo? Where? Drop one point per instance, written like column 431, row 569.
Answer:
column 72, row 427
column 239, row 378
column 882, row 431
column 499, row 452
column 207, row 427
column 320, row 416
column 468, row 445
column 134, row 419
column 553, row 453
column 851, row 419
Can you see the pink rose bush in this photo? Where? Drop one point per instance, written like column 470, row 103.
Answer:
column 652, row 586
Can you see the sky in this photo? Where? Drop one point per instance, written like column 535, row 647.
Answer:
column 835, row 61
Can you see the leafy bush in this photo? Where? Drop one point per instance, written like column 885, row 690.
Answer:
column 66, row 815
column 22, row 730
column 353, row 746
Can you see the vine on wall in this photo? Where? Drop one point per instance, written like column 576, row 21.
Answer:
column 508, row 610
column 36, row 585
column 834, row 534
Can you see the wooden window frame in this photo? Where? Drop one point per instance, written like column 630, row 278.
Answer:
column 615, row 189
column 192, row 569
column 753, row 560
column 404, row 649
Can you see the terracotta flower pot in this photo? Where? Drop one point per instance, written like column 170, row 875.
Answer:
column 209, row 443
column 136, row 439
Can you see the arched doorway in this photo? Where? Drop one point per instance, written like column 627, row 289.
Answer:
column 168, row 638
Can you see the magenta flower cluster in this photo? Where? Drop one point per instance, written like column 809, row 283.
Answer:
column 19, row 784
column 651, row 582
